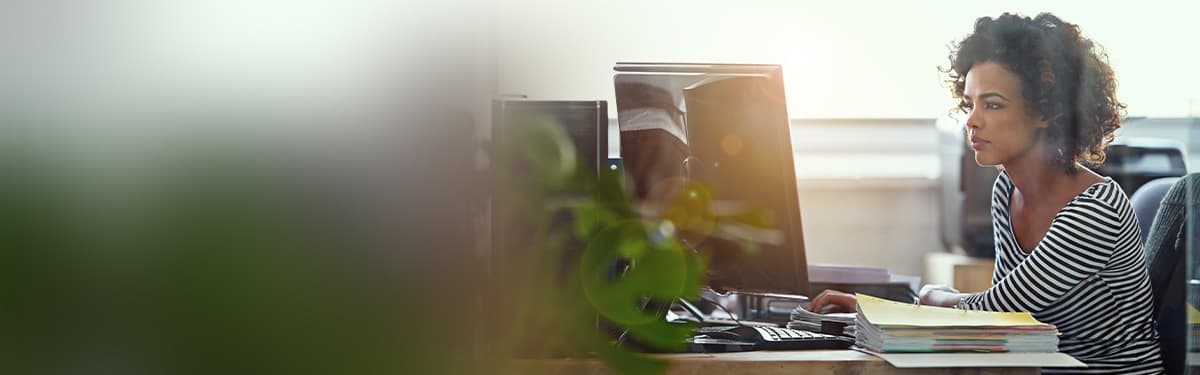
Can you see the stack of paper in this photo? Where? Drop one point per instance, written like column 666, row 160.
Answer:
column 893, row 327
column 839, row 323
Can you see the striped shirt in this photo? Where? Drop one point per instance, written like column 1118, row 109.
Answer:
column 1087, row 277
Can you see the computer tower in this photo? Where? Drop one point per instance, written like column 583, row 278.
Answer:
column 518, row 234
column 584, row 122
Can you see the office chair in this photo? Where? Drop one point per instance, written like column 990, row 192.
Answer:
column 1146, row 200
column 1166, row 259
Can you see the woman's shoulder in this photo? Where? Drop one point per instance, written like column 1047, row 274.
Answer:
column 1105, row 189
column 1001, row 191
column 1105, row 198
column 1003, row 184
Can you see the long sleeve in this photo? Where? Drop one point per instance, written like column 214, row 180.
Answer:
column 1079, row 243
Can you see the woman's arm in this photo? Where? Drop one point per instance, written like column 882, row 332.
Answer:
column 944, row 298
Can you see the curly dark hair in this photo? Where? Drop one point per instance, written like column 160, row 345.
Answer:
column 1065, row 78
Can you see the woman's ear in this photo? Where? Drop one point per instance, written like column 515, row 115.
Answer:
column 1044, row 121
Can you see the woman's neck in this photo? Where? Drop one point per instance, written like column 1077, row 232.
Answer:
column 1035, row 178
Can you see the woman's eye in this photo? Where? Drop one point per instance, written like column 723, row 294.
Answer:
column 993, row 106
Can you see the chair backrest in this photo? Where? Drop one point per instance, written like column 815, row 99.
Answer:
column 1145, row 202
column 1167, row 264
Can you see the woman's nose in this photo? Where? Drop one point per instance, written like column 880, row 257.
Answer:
column 972, row 120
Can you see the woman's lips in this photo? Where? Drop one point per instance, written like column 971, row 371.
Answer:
column 978, row 143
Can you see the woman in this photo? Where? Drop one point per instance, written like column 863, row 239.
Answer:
column 1039, row 99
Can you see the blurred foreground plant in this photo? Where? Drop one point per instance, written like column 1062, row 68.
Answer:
column 212, row 254
column 221, row 255
column 611, row 271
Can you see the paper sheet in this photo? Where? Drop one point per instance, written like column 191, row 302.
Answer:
column 920, row 360
column 881, row 312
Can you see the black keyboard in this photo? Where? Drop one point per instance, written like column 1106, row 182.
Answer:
column 778, row 338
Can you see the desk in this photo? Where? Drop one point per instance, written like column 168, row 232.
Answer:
column 798, row 362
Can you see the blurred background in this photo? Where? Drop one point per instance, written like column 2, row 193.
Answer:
column 187, row 183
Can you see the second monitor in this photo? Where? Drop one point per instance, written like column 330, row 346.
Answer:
column 725, row 126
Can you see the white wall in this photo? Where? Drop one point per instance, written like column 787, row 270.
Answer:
column 847, row 59
column 877, row 223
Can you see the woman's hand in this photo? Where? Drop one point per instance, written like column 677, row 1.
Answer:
column 940, row 295
column 835, row 301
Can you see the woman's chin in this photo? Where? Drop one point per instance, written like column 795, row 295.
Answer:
column 984, row 161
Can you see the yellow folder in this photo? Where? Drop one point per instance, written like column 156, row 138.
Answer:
column 881, row 312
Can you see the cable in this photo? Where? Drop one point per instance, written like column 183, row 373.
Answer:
column 731, row 316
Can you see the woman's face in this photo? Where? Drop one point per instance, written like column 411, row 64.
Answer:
column 999, row 126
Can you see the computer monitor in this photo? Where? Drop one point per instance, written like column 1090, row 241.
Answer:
column 725, row 126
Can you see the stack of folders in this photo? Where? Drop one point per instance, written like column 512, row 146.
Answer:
column 885, row 326
column 831, row 323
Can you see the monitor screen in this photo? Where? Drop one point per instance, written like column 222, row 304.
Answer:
column 724, row 126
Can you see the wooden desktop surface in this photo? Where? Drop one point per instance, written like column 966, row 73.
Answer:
column 792, row 362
